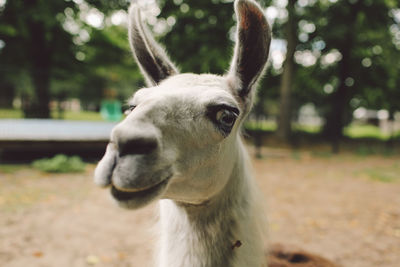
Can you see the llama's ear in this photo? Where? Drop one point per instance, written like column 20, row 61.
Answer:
column 150, row 56
column 252, row 47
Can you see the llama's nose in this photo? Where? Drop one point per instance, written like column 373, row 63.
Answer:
column 138, row 145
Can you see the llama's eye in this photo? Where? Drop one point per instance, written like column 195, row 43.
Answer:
column 129, row 109
column 226, row 119
column 223, row 116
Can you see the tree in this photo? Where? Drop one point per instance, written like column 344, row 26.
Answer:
column 34, row 38
column 357, row 28
column 40, row 48
column 208, row 27
column 109, row 65
column 285, row 110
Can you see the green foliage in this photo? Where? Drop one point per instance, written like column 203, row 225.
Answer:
column 366, row 73
column 60, row 164
column 38, row 48
column 199, row 41
column 43, row 59
column 49, row 52
column 109, row 66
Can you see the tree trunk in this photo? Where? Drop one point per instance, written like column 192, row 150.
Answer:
column 40, row 54
column 335, row 120
column 339, row 104
column 7, row 94
column 285, row 114
column 391, row 121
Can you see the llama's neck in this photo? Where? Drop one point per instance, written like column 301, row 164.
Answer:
column 223, row 232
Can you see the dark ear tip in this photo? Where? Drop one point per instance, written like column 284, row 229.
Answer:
column 249, row 10
column 249, row 4
column 252, row 47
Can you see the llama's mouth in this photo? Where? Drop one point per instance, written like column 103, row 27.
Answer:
column 133, row 199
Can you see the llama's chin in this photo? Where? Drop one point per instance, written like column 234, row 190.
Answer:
column 138, row 199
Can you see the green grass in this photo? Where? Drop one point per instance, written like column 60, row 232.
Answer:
column 82, row 115
column 267, row 126
column 364, row 131
column 68, row 115
column 270, row 126
column 11, row 114
column 307, row 128
column 11, row 168
column 353, row 131
column 322, row 154
column 384, row 174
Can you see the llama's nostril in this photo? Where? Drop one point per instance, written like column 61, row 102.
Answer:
column 299, row 258
column 140, row 145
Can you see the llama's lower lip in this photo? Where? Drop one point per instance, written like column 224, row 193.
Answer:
column 138, row 194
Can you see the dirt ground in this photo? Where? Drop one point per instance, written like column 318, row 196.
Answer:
column 345, row 207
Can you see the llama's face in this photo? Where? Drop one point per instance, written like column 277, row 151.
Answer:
column 180, row 139
column 175, row 140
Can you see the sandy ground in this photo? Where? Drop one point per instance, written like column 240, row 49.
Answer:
column 345, row 207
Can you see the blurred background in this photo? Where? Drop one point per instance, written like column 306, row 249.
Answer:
column 333, row 72
column 330, row 100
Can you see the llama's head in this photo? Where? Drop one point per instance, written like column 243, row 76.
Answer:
column 180, row 139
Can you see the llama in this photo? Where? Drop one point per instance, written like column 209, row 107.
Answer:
column 180, row 144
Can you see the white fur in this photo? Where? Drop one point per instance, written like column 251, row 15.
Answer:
column 172, row 148
column 190, row 235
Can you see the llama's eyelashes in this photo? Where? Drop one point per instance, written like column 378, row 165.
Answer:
column 223, row 116
column 226, row 118
column 130, row 108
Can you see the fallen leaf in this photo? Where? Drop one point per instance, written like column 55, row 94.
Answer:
column 121, row 255
column 397, row 232
column 105, row 259
column 37, row 254
column 92, row 260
